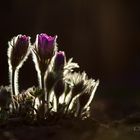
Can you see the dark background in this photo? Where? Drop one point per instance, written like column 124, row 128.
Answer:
column 103, row 36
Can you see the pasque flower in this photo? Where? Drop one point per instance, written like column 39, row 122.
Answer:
column 46, row 46
column 17, row 53
column 18, row 49
column 53, row 79
column 86, row 97
column 59, row 61
column 62, row 91
column 43, row 51
column 80, row 83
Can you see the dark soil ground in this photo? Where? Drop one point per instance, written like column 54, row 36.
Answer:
column 105, row 124
column 73, row 130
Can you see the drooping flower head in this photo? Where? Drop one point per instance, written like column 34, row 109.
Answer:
column 78, row 82
column 87, row 96
column 59, row 61
column 18, row 49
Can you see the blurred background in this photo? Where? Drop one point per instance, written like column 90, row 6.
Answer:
column 103, row 36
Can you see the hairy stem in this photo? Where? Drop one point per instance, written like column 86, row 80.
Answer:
column 42, row 80
column 15, row 82
column 43, row 95
column 68, row 105
column 12, row 82
column 13, row 86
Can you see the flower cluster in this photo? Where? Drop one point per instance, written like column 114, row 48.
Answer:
column 60, row 92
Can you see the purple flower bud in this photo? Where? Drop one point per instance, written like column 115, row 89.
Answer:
column 45, row 45
column 43, row 51
column 18, row 49
column 59, row 61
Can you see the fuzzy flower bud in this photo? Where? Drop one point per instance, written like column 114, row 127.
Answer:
column 46, row 45
column 59, row 61
column 18, row 50
column 43, row 50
